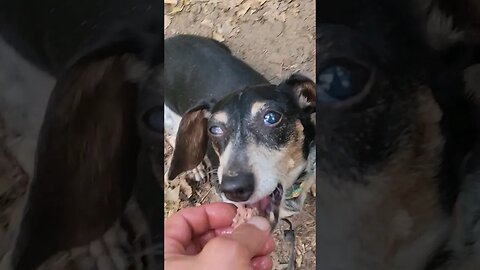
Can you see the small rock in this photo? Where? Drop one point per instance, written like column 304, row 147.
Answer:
column 217, row 36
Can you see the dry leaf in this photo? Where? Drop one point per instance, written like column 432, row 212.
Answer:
column 298, row 260
column 179, row 6
column 186, row 188
column 218, row 37
column 172, row 195
column 166, row 21
column 170, row 208
column 171, row 201
column 176, row 9
column 170, row 2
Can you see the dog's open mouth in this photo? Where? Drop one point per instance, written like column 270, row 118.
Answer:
column 267, row 207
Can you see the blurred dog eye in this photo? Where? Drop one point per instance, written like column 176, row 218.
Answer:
column 341, row 82
column 215, row 130
column 153, row 118
column 272, row 118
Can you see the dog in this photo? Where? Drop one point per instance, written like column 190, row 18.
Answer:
column 396, row 126
column 262, row 134
column 100, row 143
column 194, row 63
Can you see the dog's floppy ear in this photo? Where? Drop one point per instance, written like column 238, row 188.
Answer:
column 85, row 160
column 304, row 89
column 191, row 142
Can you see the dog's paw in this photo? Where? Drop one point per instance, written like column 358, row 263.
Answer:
column 291, row 207
column 202, row 172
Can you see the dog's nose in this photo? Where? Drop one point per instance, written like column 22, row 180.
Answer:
column 238, row 188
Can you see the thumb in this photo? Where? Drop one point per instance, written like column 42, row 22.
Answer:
column 253, row 235
column 237, row 249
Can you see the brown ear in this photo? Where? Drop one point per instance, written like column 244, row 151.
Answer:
column 85, row 161
column 191, row 142
column 304, row 89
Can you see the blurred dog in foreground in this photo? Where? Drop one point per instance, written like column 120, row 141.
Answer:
column 101, row 142
column 397, row 170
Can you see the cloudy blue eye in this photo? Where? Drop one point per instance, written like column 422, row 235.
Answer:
column 341, row 82
column 216, row 130
column 272, row 118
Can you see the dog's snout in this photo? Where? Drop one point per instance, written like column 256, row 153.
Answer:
column 238, row 187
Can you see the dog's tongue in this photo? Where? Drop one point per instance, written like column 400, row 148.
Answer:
column 263, row 205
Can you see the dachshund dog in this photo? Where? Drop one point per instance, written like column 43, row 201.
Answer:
column 397, row 179
column 199, row 69
column 262, row 134
column 100, row 144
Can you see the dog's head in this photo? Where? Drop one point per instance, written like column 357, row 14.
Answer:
column 389, row 143
column 371, row 113
column 381, row 115
column 262, row 136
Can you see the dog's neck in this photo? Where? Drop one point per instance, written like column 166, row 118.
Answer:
column 304, row 179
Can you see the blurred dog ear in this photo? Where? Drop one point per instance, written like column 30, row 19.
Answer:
column 85, row 160
column 191, row 142
column 304, row 89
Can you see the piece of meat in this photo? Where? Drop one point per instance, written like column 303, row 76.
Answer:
column 243, row 214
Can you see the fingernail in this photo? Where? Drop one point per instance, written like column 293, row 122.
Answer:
column 225, row 231
column 260, row 222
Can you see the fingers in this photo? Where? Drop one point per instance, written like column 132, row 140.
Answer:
column 182, row 262
column 269, row 246
column 198, row 243
column 188, row 223
column 253, row 235
column 251, row 240
column 262, row 263
column 208, row 227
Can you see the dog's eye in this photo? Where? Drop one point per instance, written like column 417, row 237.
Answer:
column 153, row 118
column 216, row 130
column 272, row 118
column 341, row 82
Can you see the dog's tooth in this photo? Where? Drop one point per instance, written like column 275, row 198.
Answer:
column 271, row 217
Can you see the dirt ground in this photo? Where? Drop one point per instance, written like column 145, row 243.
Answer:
column 276, row 38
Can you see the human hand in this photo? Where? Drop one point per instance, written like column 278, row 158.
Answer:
column 201, row 238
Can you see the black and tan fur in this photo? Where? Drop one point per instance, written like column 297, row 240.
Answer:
column 268, row 155
column 389, row 156
column 208, row 86
column 100, row 145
